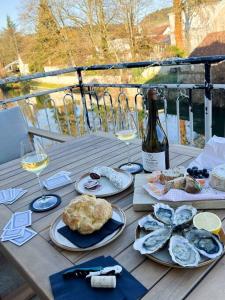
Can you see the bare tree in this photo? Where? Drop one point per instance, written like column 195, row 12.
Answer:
column 93, row 17
column 130, row 12
column 192, row 8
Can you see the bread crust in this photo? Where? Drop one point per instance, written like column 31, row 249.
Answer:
column 87, row 214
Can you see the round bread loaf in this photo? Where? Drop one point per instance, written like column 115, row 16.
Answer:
column 87, row 214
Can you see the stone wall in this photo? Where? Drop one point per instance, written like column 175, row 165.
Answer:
column 70, row 80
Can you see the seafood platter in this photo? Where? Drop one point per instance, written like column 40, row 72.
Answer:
column 169, row 237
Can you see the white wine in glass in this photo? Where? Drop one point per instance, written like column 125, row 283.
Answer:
column 35, row 163
column 34, row 159
column 126, row 135
column 126, row 130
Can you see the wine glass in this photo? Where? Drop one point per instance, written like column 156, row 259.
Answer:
column 34, row 159
column 126, row 130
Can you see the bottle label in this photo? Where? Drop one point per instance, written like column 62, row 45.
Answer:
column 154, row 161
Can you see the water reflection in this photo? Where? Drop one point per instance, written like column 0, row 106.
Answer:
column 67, row 116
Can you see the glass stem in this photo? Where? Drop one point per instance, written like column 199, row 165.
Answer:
column 128, row 153
column 41, row 188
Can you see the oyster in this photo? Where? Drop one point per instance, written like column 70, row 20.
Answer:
column 205, row 242
column 184, row 214
column 153, row 241
column 164, row 213
column 182, row 252
column 149, row 223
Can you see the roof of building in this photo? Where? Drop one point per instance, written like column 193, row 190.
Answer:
column 213, row 44
column 159, row 30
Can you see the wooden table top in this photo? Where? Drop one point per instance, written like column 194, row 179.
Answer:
column 39, row 258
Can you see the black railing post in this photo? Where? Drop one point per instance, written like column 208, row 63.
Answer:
column 80, row 81
column 208, row 103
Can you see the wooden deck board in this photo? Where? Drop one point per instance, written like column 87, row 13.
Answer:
column 39, row 258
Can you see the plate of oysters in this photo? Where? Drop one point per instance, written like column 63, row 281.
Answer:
column 87, row 223
column 104, row 181
column 169, row 237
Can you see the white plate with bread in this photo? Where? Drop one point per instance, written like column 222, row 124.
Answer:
column 78, row 215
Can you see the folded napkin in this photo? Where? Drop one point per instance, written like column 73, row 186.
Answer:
column 60, row 179
column 175, row 195
column 114, row 177
column 127, row 288
column 88, row 240
column 9, row 196
column 212, row 155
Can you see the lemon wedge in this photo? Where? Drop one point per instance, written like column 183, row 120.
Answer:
column 208, row 221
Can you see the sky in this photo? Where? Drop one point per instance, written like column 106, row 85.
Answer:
column 11, row 8
column 8, row 7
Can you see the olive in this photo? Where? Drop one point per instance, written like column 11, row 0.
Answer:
column 194, row 168
column 94, row 176
column 189, row 170
column 206, row 175
column 195, row 172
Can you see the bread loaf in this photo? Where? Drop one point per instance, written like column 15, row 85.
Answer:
column 87, row 214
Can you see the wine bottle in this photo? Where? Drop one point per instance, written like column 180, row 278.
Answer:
column 155, row 146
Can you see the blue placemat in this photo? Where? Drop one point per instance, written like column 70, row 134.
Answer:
column 128, row 288
column 88, row 240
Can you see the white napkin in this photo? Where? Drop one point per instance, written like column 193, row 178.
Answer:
column 175, row 195
column 9, row 196
column 59, row 179
column 212, row 155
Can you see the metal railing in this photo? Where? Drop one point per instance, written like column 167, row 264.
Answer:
column 97, row 109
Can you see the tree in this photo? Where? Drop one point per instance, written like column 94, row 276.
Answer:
column 130, row 12
column 47, row 38
column 192, row 8
column 102, row 27
column 9, row 43
column 185, row 11
column 177, row 7
column 93, row 18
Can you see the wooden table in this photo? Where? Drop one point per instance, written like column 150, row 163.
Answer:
column 39, row 258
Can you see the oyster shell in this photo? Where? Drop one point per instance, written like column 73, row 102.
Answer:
column 205, row 242
column 184, row 214
column 149, row 223
column 182, row 252
column 164, row 213
column 153, row 241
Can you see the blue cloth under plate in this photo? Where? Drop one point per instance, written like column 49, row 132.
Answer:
column 88, row 240
column 127, row 288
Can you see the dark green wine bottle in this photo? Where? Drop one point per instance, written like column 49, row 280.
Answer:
column 155, row 146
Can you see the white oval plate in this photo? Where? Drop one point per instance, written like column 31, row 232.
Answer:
column 62, row 242
column 107, row 188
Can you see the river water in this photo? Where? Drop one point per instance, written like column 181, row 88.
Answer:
column 46, row 118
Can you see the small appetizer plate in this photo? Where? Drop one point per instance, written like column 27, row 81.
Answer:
column 107, row 188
